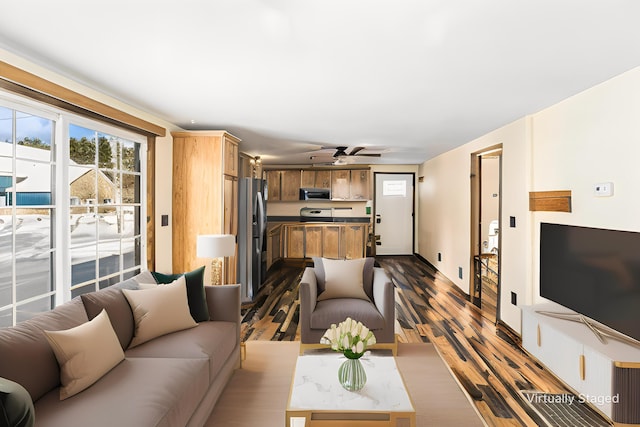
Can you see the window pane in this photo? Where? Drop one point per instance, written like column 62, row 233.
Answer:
column 6, row 318
column 83, row 268
column 107, row 152
column 108, row 187
column 130, row 188
column 129, row 220
column 33, row 183
column 33, row 136
column 83, row 290
column 6, row 255
column 82, row 145
column 27, row 311
column 108, row 282
column 32, row 253
column 6, row 126
column 131, row 253
column 82, row 183
column 130, row 156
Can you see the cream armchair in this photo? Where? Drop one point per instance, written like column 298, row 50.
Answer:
column 317, row 311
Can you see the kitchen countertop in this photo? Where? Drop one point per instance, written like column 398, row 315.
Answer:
column 302, row 219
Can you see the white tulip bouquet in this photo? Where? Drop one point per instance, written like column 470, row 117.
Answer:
column 349, row 337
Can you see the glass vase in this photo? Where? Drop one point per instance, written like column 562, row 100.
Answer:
column 351, row 375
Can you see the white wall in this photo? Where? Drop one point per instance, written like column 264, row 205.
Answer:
column 445, row 213
column 590, row 138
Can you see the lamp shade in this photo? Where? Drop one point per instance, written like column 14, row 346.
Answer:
column 216, row 245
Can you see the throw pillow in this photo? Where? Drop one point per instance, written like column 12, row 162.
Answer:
column 113, row 301
column 367, row 274
column 195, row 291
column 85, row 353
column 343, row 279
column 159, row 311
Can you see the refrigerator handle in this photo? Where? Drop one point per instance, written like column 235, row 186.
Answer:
column 260, row 219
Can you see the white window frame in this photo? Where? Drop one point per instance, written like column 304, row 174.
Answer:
column 60, row 187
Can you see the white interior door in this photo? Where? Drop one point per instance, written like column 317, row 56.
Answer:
column 393, row 220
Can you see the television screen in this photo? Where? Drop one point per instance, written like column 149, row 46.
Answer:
column 594, row 272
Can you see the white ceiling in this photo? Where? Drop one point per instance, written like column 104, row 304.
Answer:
column 415, row 77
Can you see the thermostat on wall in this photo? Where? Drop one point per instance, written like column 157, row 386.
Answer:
column 604, row 189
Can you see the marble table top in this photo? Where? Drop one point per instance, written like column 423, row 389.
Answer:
column 315, row 385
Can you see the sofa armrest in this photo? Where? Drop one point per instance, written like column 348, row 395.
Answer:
column 384, row 299
column 224, row 302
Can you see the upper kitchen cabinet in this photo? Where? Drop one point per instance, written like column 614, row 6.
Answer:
column 353, row 184
column 316, row 179
column 205, row 169
column 290, row 180
column 359, row 185
column 273, row 184
column 340, row 180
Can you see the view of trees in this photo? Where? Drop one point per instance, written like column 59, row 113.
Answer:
column 83, row 152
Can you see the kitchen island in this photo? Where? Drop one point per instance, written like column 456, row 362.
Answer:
column 296, row 237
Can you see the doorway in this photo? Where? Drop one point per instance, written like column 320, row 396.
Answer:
column 486, row 203
column 393, row 208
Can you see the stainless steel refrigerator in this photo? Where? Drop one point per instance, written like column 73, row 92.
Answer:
column 252, row 225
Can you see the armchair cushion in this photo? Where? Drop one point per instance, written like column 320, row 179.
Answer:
column 367, row 274
column 343, row 279
column 334, row 311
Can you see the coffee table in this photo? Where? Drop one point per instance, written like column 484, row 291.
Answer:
column 317, row 399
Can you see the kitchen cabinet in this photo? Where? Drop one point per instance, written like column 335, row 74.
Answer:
column 340, row 182
column 274, row 237
column 294, row 235
column 359, row 185
column 354, row 241
column 316, row 179
column 345, row 184
column 273, row 185
column 331, row 241
column 205, row 195
column 313, row 240
column 290, row 184
column 326, row 240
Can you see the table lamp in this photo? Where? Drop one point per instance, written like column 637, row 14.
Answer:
column 216, row 246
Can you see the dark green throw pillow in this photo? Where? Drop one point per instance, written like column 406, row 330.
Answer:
column 195, row 291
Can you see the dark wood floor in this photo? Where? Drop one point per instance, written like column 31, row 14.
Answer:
column 488, row 361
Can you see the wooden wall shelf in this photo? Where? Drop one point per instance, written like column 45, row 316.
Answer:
column 550, row 201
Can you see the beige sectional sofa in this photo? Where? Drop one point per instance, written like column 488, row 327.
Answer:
column 172, row 380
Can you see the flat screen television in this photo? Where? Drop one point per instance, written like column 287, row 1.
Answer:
column 592, row 271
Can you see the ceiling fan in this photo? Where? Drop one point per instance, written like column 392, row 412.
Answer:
column 342, row 155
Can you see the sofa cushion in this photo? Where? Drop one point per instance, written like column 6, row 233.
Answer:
column 117, row 307
column 195, row 291
column 367, row 275
column 25, row 354
column 214, row 341
column 334, row 311
column 139, row 392
column 158, row 311
column 343, row 279
column 85, row 353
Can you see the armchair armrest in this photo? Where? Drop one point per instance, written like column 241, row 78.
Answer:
column 224, row 302
column 384, row 299
column 308, row 298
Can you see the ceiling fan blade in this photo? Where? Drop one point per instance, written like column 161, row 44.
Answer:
column 369, row 155
column 356, row 150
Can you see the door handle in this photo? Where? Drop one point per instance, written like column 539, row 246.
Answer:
column 378, row 219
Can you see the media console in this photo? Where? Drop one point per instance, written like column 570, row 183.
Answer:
column 605, row 373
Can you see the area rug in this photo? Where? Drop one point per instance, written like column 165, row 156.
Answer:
column 257, row 394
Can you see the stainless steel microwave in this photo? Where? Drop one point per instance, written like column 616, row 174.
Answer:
column 315, row 194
